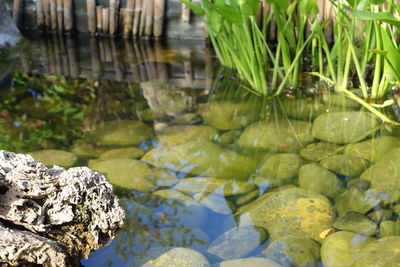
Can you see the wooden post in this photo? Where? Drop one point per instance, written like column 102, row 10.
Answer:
column 39, row 14
column 143, row 18
column 140, row 60
column 68, row 15
column 114, row 4
column 17, row 10
column 106, row 20
column 128, row 21
column 60, row 14
column 136, row 17
column 148, row 30
column 159, row 10
column 53, row 15
column 162, row 68
column 209, row 69
column 46, row 12
column 99, row 19
column 188, row 67
column 64, row 56
column 96, row 64
column 91, row 15
column 72, row 59
column 119, row 74
column 132, row 61
column 185, row 13
column 328, row 16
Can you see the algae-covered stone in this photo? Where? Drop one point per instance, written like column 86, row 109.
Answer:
column 384, row 175
column 294, row 211
column 381, row 253
column 162, row 177
column 246, row 198
column 278, row 169
column 209, row 185
column 284, row 136
column 360, row 184
column 373, row 149
column 187, row 118
column 389, row 228
column 294, row 251
column 319, row 151
column 342, row 100
column 205, row 159
column 216, row 203
column 344, row 127
column 318, row 179
column 345, row 165
column 86, row 150
column 237, row 242
column 381, row 215
column 120, row 133
column 356, row 222
column 179, row 257
column 304, row 109
column 36, row 107
column 51, row 157
column 127, row 173
column 229, row 116
column 180, row 134
column 250, row 262
column 343, row 248
column 355, row 200
column 229, row 137
column 121, row 153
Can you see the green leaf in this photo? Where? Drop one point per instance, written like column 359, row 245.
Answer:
column 195, row 8
column 249, row 7
column 232, row 15
column 379, row 16
column 392, row 59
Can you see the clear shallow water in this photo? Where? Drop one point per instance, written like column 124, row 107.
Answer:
column 198, row 161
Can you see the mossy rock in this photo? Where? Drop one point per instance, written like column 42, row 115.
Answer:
column 180, row 134
column 86, row 150
column 373, row 149
column 345, row 165
column 162, row 177
column 122, row 153
column 319, row 151
column 341, row 100
column 318, row 179
column 37, row 108
column 216, row 203
column 381, row 253
column 357, row 223
column 293, row 211
column 304, row 109
column 120, row 133
column 355, row 200
column 203, row 158
column 179, row 257
column 278, row 169
column 51, row 157
column 282, row 135
column 247, row 198
column 229, row 137
column 389, row 228
column 381, row 215
column 344, row 127
column 294, row 251
column 343, row 248
column 126, row 173
column 251, row 262
column 229, row 115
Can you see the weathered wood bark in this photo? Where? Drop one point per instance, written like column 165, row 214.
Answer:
column 53, row 217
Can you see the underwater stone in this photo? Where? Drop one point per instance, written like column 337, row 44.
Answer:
column 283, row 136
column 203, row 158
column 344, row 127
column 120, row 133
column 250, row 262
column 180, row 134
column 246, row 198
column 360, row 184
column 229, row 137
column 126, row 173
column 162, row 177
column 356, row 222
column 230, row 115
column 355, row 200
column 86, row 150
column 294, row 251
column 373, row 149
column 293, row 211
column 187, row 119
column 278, row 169
column 237, row 242
column 383, row 252
column 179, row 257
column 381, row 215
column 304, row 109
column 217, row 204
column 389, row 228
column 51, row 157
column 345, row 165
column 319, row 151
column 341, row 100
column 122, row 153
column 343, row 248
column 318, row 179
column 209, row 185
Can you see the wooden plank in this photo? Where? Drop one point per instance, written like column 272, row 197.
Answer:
column 91, row 15
column 159, row 11
column 68, row 15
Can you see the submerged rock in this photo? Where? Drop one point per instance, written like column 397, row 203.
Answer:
column 230, row 115
column 203, row 158
column 304, row 109
column 345, row 165
column 294, row 251
column 318, row 179
column 250, row 262
column 356, row 222
column 381, row 253
column 373, row 149
column 344, row 127
column 283, row 136
column 343, row 248
column 293, row 211
column 122, row 153
column 237, row 242
column 217, row 204
column 355, row 200
column 319, row 151
column 162, row 177
column 120, row 133
column 176, row 135
column 86, row 150
column 389, row 228
column 54, row 216
column 179, row 257
column 51, row 157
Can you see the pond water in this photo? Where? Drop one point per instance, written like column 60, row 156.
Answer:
column 200, row 163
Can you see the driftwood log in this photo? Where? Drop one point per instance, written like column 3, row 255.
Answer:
column 53, row 217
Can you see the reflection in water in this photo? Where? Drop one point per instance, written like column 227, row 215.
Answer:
column 217, row 170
